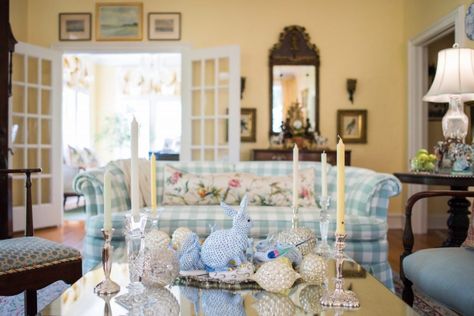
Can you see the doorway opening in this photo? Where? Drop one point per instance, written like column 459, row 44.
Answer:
column 102, row 92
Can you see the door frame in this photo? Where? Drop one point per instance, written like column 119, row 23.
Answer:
column 417, row 86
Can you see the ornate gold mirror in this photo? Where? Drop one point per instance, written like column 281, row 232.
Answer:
column 294, row 82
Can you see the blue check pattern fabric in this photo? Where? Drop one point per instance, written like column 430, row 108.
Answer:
column 367, row 200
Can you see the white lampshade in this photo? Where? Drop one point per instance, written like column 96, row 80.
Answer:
column 454, row 75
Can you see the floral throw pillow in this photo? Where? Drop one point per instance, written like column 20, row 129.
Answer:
column 277, row 190
column 75, row 157
column 181, row 188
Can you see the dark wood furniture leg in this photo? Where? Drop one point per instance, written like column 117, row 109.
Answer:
column 458, row 220
column 7, row 46
column 31, row 304
column 408, row 238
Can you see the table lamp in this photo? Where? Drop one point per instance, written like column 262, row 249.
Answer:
column 453, row 83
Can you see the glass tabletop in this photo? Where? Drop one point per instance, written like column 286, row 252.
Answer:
column 302, row 299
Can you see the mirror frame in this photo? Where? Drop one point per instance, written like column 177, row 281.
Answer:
column 295, row 48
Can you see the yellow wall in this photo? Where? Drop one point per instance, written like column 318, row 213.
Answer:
column 357, row 39
column 19, row 19
column 104, row 100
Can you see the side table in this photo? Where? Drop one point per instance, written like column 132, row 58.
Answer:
column 458, row 220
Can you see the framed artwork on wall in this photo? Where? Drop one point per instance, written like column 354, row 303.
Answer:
column 119, row 21
column 75, row 26
column 164, row 26
column 352, row 126
column 248, row 125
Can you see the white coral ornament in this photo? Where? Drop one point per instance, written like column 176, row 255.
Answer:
column 179, row 236
column 156, row 239
column 269, row 304
column 309, row 299
column 303, row 238
column 276, row 276
column 313, row 269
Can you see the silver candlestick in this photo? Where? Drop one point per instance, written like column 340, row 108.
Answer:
column 107, row 286
column 340, row 297
column 323, row 247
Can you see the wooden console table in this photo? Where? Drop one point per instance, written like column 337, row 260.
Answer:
column 305, row 155
column 458, row 221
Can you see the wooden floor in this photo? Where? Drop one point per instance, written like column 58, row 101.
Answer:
column 72, row 234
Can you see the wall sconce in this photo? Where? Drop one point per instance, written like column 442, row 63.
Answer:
column 351, row 88
column 242, row 87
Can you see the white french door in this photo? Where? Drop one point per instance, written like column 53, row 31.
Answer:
column 211, row 106
column 35, row 113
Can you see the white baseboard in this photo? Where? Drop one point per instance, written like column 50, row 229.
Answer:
column 435, row 221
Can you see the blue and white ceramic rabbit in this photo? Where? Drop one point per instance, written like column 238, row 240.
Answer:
column 223, row 246
column 189, row 254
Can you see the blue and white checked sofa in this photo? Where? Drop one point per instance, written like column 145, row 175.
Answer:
column 367, row 200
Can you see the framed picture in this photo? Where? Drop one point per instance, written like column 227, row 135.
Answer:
column 352, row 126
column 248, row 124
column 119, row 21
column 75, row 26
column 164, row 26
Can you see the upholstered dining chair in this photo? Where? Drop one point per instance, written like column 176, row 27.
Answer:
column 29, row 263
column 445, row 274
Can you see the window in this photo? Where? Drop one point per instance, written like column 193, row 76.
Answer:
column 76, row 117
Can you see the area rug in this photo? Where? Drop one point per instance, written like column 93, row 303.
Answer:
column 422, row 304
column 13, row 305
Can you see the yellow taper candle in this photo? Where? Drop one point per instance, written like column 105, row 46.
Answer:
column 295, row 175
column 107, row 202
column 340, row 228
column 153, row 184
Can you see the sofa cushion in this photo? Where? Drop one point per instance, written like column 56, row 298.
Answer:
column 278, row 190
column 182, row 188
column 196, row 167
column 445, row 274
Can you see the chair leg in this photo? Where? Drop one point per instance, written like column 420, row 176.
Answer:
column 31, row 307
column 407, row 294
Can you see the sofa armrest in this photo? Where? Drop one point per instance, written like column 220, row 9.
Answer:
column 368, row 192
column 91, row 184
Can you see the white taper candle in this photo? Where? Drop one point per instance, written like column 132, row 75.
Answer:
column 295, row 175
column 107, row 201
column 134, row 168
column 153, row 184
column 324, row 178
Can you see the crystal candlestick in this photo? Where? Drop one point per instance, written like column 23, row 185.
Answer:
column 323, row 247
column 295, row 220
column 107, row 286
column 135, row 228
column 340, row 297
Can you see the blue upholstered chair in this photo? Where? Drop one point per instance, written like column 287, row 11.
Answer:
column 28, row 263
column 445, row 274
